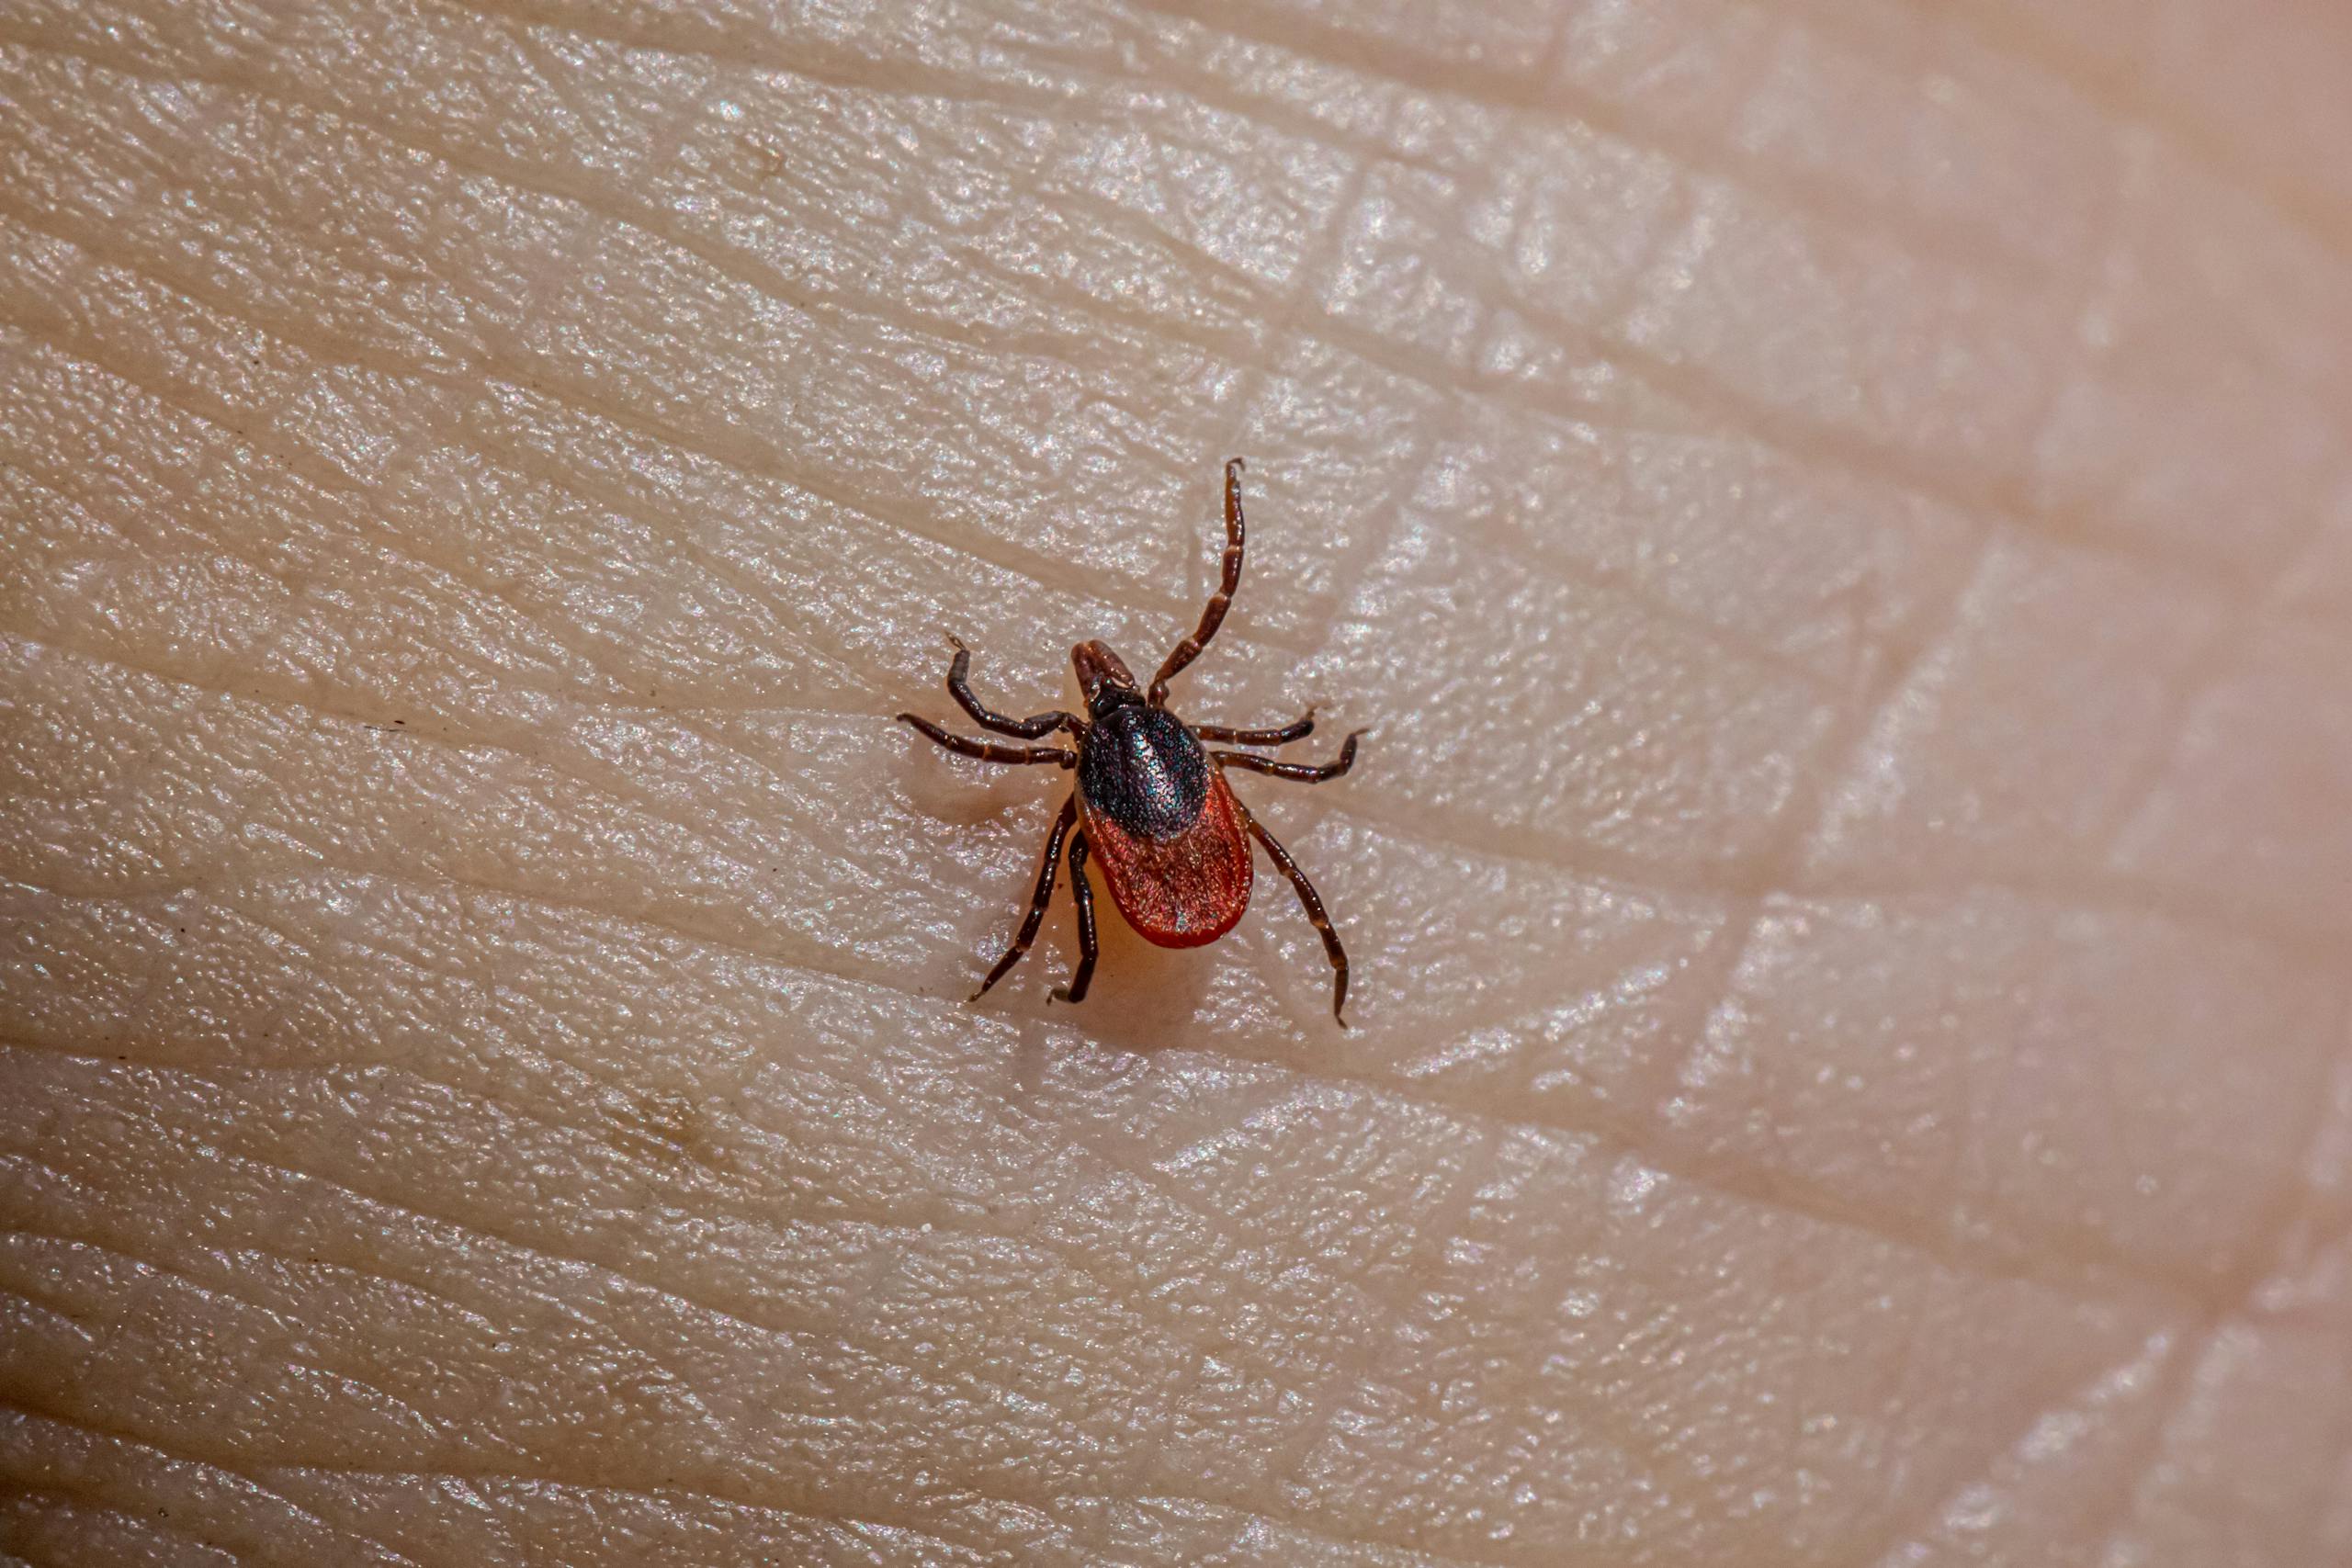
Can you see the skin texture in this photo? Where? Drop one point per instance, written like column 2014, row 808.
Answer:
column 1837, row 514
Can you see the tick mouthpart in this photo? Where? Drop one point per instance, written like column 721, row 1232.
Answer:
column 1104, row 676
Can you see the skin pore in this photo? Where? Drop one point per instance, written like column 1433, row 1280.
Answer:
column 1836, row 517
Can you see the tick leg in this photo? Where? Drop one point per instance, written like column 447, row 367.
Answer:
column 1313, row 904
column 1298, row 772
column 1044, row 895
column 1083, row 976
column 1296, row 729
column 959, row 686
column 1214, row 616
column 989, row 750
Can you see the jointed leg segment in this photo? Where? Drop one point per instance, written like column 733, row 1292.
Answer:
column 1297, row 773
column 1313, row 904
column 989, row 750
column 1296, row 729
column 1083, row 895
column 1044, row 895
column 1214, row 616
column 959, row 686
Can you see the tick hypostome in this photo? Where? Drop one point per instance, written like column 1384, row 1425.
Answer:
column 1151, row 805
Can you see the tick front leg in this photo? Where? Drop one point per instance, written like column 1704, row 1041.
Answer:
column 989, row 750
column 1214, row 616
column 1298, row 772
column 1044, row 895
column 1296, row 729
column 959, row 686
column 1313, row 904
column 1083, row 895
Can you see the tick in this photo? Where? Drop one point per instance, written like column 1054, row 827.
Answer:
column 1151, row 805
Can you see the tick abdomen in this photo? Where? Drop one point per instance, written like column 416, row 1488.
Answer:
column 1141, row 768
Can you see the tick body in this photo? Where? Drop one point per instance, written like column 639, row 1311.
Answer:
column 1173, row 843
column 1151, row 805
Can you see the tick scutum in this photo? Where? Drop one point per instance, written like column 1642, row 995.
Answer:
column 1144, row 770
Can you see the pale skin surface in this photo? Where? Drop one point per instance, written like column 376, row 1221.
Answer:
column 1838, row 516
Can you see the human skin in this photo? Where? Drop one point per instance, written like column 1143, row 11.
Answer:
column 1836, row 516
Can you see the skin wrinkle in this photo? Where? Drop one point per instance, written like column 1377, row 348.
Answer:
column 1141, row 1172
column 250, row 563
column 1038, row 569
column 2002, row 25
column 1438, row 432
column 944, row 1222
column 441, row 1301
column 14, row 1397
column 248, row 1539
column 2228, row 637
column 163, row 1073
column 2013, row 509
column 1543, row 96
column 1781, row 432
column 620, row 503
column 2327, row 218
column 1659, row 372
column 1778, row 1192
column 321, row 347
column 1534, row 847
column 1887, row 1551
column 51, row 1314
column 2271, row 1259
column 2000, row 504
column 2175, row 1385
column 1616, row 1142
column 1814, row 1205
column 140, row 1266
column 312, row 1526
column 1616, row 309
column 612, row 786
column 147, row 1531
column 632, row 779
column 2009, row 32
column 1806, row 814
column 274, row 691
column 1790, row 845
column 755, row 463
column 930, row 1223
column 1443, row 1224
column 1785, row 859
column 1626, row 1141
column 663, row 1495
column 1388, row 1553
column 530, row 1250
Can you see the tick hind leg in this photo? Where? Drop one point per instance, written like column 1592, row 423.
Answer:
column 1044, row 895
column 1214, row 616
column 1083, row 896
column 959, row 686
column 1313, row 904
column 1297, row 773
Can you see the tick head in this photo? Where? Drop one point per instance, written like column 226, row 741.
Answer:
column 1104, row 676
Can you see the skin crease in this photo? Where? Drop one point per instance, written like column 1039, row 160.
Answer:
column 1837, row 517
